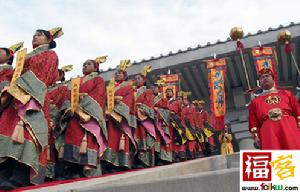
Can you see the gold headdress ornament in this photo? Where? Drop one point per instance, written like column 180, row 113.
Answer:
column 147, row 69
column 200, row 102
column 101, row 59
column 186, row 94
column 124, row 65
column 16, row 47
column 56, row 32
column 67, row 68
column 180, row 93
column 160, row 82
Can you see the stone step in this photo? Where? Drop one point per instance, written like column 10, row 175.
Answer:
column 189, row 169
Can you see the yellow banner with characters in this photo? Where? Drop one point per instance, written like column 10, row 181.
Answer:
column 19, row 65
column 75, row 86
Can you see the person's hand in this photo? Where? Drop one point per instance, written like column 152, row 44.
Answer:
column 257, row 143
column 118, row 99
column 81, row 95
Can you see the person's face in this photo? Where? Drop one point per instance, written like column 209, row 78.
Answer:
column 266, row 81
column 185, row 101
column 169, row 93
column 119, row 76
column 38, row 39
column 88, row 67
column 155, row 90
column 139, row 80
column 200, row 106
column 3, row 56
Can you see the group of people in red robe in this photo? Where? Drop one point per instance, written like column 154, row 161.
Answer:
column 46, row 133
column 43, row 138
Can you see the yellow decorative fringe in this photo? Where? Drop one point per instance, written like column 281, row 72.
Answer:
column 83, row 145
column 18, row 134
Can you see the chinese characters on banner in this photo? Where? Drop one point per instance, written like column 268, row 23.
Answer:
column 269, row 170
column 216, row 82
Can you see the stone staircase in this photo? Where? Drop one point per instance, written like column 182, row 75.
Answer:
column 216, row 173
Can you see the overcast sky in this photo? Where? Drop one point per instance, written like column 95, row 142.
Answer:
column 136, row 29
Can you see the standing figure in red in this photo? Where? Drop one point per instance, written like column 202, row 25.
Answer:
column 179, row 130
column 57, row 94
column 121, row 124
column 274, row 118
column 84, row 132
column 188, row 115
column 24, row 123
column 204, row 123
column 164, row 130
column 146, row 134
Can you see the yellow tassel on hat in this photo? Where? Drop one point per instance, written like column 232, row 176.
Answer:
column 122, row 143
column 124, row 65
column 67, row 68
column 101, row 59
column 16, row 47
column 56, row 32
column 83, row 145
column 18, row 134
column 147, row 69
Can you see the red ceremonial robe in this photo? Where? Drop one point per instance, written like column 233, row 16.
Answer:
column 145, row 134
column 57, row 94
column 275, row 115
column 175, row 106
column 188, row 116
column 121, row 143
column 43, row 63
column 203, row 117
column 94, row 128
column 165, row 132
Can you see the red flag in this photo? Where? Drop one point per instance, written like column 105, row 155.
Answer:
column 216, row 82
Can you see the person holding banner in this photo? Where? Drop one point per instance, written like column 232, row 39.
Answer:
column 274, row 116
column 146, row 133
column 121, row 122
column 83, row 137
column 24, row 123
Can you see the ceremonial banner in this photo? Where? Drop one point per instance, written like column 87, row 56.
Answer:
column 264, row 58
column 75, row 85
column 216, row 82
column 170, row 81
column 110, row 91
column 19, row 65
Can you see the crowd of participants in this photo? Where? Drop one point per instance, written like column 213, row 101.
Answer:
column 43, row 139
